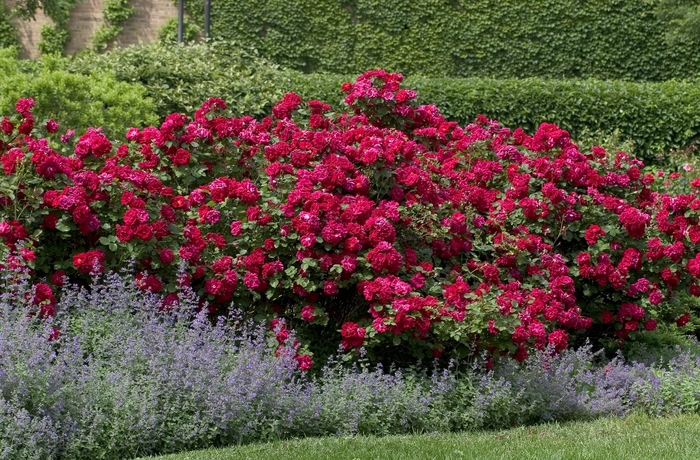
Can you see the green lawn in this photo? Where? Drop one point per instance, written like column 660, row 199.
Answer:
column 636, row 437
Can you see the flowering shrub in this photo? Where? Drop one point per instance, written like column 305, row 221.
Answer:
column 387, row 225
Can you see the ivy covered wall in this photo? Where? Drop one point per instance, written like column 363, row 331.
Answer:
column 8, row 34
column 607, row 39
column 87, row 21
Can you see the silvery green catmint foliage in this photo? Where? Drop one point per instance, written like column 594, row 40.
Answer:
column 113, row 375
column 125, row 379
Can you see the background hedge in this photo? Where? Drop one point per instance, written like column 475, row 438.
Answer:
column 605, row 39
column 656, row 117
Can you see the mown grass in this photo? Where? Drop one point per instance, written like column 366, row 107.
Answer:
column 635, row 437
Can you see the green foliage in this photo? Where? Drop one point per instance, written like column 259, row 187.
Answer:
column 167, row 34
column 57, row 10
column 663, row 344
column 8, row 34
column 115, row 13
column 74, row 100
column 648, row 117
column 180, row 78
column 53, row 39
column 621, row 39
column 682, row 17
column 610, row 141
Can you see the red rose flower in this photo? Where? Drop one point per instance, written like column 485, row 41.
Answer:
column 307, row 313
column 559, row 339
column 593, row 233
column 353, row 336
column 305, row 362
column 181, row 157
column 607, row 317
column 213, row 286
column 58, row 278
column 124, row 233
column 144, row 232
column 166, row 255
column 89, row 261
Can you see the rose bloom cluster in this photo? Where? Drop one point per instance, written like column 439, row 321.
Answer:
column 439, row 235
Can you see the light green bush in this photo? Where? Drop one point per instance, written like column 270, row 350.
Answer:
column 76, row 101
column 179, row 78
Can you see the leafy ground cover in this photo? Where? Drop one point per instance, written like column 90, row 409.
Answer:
column 638, row 437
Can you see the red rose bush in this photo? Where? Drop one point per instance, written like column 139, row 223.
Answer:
column 387, row 224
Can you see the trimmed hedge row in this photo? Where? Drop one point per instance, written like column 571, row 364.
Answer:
column 618, row 39
column 657, row 117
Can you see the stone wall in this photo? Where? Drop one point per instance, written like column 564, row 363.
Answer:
column 86, row 18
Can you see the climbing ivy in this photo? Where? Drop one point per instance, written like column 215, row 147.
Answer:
column 115, row 13
column 168, row 31
column 53, row 38
column 8, row 34
column 605, row 39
